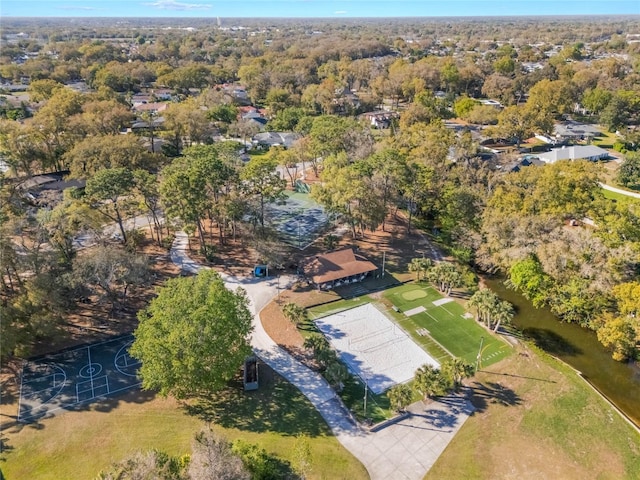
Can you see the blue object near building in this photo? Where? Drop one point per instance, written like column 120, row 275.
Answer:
column 260, row 271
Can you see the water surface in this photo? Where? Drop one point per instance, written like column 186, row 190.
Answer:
column 578, row 347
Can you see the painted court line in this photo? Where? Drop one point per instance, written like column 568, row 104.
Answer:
column 374, row 347
column 414, row 311
column 92, row 388
column 434, row 318
column 66, row 406
column 442, row 301
column 20, row 397
column 40, row 396
column 39, row 379
column 89, row 370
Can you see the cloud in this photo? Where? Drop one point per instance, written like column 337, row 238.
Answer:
column 340, row 12
column 173, row 5
column 78, row 7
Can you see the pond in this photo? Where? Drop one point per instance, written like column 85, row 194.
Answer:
column 578, row 347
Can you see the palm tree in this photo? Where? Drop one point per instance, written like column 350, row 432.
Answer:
column 420, row 266
column 336, row 374
column 400, row 396
column 429, row 382
column 321, row 349
column 445, row 276
column 315, row 343
column 295, row 313
column 455, row 370
column 483, row 302
column 502, row 314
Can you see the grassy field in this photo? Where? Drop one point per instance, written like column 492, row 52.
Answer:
column 336, row 307
column 79, row 444
column 445, row 325
column 536, row 418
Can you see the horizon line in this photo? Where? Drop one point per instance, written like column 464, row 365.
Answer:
column 50, row 17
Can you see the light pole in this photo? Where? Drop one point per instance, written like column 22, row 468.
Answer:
column 479, row 353
column 365, row 397
column 300, row 211
column 384, row 258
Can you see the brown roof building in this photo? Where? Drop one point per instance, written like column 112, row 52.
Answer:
column 337, row 268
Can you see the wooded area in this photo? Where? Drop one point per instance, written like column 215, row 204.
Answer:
column 424, row 118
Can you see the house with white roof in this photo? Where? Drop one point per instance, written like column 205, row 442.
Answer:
column 587, row 152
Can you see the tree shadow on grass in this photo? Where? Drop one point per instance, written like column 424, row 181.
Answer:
column 308, row 326
column 32, row 416
column 277, row 406
column 484, row 394
column 5, row 447
column 551, row 342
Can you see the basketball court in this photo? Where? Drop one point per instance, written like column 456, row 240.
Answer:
column 373, row 347
column 77, row 376
column 299, row 221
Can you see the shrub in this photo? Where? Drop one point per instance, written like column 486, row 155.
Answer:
column 208, row 252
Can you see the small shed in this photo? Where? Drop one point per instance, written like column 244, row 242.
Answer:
column 251, row 374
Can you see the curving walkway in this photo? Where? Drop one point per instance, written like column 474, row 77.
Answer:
column 404, row 450
column 619, row 190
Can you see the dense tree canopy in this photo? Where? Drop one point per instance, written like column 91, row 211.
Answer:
column 525, row 224
column 193, row 337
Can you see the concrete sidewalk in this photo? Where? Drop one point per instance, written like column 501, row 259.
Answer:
column 620, row 191
column 404, row 450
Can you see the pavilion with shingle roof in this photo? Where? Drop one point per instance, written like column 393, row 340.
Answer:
column 337, row 268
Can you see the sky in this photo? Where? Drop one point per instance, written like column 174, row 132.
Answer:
column 312, row 8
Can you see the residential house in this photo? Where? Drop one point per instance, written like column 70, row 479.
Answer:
column 345, row 101
column 571, row 131
column 380, row 118
column 138, row 99
column 164, row 94
column 524, row 162
column 587, row 152
column 153, row 107
column 46, row 190
column 273, row 139
column 491, row 103
column 237, row 93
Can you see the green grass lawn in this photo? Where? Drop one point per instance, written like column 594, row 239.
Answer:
column 79, row 444
column 536, row 418
column 446, row 326
column 619, row 197
column 605, row 140
column 352, row 395
column 320, row 311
